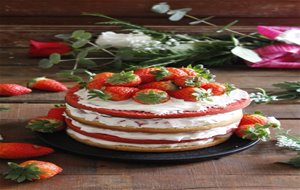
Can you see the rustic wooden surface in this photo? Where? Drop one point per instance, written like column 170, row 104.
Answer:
column 254, row 168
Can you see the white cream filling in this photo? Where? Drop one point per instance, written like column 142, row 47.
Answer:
column 158, row 136
column 111, row 143
column 155, row 122
column 172, row 106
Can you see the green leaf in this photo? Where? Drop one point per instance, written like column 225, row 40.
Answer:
column 45, row 63
column 82, row 54
column 81, row 35
column 79, row 43
column 178, row 14
column 121, row 78
column 294, row 162
column 87, row 62
column 151, row 97
column 99, row 94
column 63, row 36
column 54, row 58
column 3, row 108
column 246, row 54
column 19, row 173
column 161, row 8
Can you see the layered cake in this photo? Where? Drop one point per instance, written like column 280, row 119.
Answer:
column 161, row 109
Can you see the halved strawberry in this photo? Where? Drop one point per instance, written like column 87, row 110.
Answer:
column 127, row 79
column 192, row 81
column 151, row 96
column 249, row 119
column 162, row 85
column 45, row 124
column 32, row 170
column 42, row 83
column 193, row 94
column 115, row 93
column 146, row 74
column 217, row 89
column 13, row 90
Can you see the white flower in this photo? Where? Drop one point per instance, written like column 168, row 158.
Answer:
column 285, row 142
column 1, row 138
column 117, row 40
column 275, row 122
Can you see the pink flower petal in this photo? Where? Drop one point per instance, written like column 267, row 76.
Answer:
column 272, row 32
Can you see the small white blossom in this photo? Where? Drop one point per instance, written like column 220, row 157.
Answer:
column 275, row 122
column 117, row 40
column 284, row 142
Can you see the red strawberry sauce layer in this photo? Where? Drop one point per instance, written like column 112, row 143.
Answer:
column 72, row 99
column 125, row 140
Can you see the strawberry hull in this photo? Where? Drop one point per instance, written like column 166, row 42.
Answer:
column 126, row 140
column 72, row 99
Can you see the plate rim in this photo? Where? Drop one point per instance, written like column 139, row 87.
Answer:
column 158, row 158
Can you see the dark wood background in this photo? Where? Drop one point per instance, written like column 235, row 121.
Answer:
column 21, row 20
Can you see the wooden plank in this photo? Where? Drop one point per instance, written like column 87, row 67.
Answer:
column 136, row 8
column 158, row 20
column 82, row 172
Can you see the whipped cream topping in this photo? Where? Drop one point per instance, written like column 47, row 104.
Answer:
column 155, row 122
column 112, row 143
column 158, row 136
column 172, row 106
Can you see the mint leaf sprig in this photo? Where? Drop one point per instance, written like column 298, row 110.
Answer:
column 4, row 108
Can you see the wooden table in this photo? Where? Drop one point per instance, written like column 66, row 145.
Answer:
column 250, row 169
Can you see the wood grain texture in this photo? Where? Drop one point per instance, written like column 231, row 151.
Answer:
column 46, row 12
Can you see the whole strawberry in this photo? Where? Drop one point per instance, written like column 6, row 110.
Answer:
column 151, row 96
column 13, row 90
column 162, row 85
column 146, row 74
column 32, row 170
column 128, row 79
column 192, row 81
column 253, row 119
column 99, row 80
column 46, row 124
column 217, row 89
column 57, row 113
column 15, row 150
column 253, row 131
column 114, row 93
column 42, row 83
column 103, row 75
column 192, row 94
column 168, row 73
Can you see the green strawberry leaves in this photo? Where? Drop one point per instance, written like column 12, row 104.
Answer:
column 19, row 174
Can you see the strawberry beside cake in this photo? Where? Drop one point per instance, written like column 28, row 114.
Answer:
column 161, row 109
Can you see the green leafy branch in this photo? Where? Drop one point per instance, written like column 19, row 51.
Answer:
column 287, row 91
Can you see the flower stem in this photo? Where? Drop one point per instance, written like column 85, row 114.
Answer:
column 216, row 26
column 105, row 50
